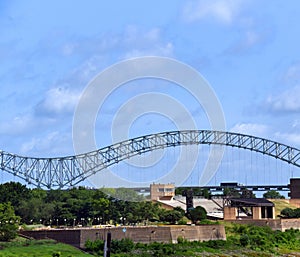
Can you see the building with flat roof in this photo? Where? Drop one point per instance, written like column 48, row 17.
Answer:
column 250, row 208
column 162, row 191
column 294, row 188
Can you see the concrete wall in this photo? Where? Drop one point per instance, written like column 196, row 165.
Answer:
column 72, row 237
column 230, row 213
column 290, row 223
column 78, row 237
column 278, row 224
column 294, row 202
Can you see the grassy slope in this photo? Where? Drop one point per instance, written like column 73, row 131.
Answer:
column 280, row 204
column 41, row 248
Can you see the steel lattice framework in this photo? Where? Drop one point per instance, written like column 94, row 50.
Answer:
column 69, row 171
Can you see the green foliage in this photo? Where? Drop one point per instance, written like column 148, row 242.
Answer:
column 77, row 206
column 95, row 247
column 208, row 222
column 13, row 192
column 171, row 216
column 247, row 240
column 263, row 238
column 8, row 222
column 231, row 192
column 57, row 254
column 125, row 245
column 273, row 194
column 124, row 194
column 290, row 213
column 244, row 240
column 196, row 191
column 197, row 214
column 183, row 221
column 181, row 240
column 38, row 248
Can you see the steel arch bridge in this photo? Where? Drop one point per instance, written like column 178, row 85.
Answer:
column 68, row 171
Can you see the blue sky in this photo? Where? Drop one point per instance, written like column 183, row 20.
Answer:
column 247, row 50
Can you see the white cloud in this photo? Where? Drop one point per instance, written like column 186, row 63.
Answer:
column 159, row 50
column 251, row 39
column 53, row 144
column 19, row 124
column 287, row 101
column 99, row 52
column 140, row 43
column 254, row 129
column 292, row 139
column 293, row 73
column 59, row 100
column 224, row 11
column 260, row 130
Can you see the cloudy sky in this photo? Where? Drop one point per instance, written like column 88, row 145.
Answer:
column 247, row 50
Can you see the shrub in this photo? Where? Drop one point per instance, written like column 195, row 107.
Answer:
column 287, row 213
column 181, row 240
column 94, row 246
column 8, row 222
column 244, row 240
column 183, row 221
column 124, row 245
column 197, row 214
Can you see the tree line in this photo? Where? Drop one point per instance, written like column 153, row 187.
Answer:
column 84, row 207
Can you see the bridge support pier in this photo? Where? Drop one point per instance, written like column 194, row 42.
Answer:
column 230, row 213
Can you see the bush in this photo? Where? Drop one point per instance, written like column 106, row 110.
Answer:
column 181, row 240
column 124, row 245
column 94, row 246
column 244, row 240
column 290, row 213
column 215, row 244
column 183, row 221
column 197, row 214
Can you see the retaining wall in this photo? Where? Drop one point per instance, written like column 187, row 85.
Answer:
column 78, row 237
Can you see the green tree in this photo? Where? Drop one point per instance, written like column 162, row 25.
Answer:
column 100, row 208
column 13, row 192
column 8, row 222
column 231, row 192
column 126, row 194
column 197, row 214
column 178, row 208
column 287, row 213
column 35, row 210
column 273, row 194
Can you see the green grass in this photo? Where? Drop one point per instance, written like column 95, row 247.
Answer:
column 39, row 248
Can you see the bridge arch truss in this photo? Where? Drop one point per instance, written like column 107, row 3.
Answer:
column 68, row 171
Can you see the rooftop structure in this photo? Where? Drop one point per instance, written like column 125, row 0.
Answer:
column 162, row 191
